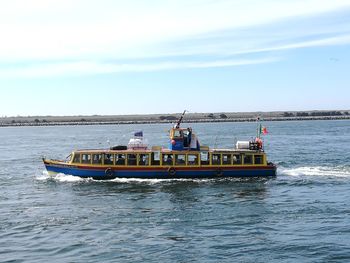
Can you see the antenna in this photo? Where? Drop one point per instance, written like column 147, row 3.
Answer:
column 234, row 142
column 216, row 142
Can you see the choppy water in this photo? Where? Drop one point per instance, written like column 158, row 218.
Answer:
column 303, row 215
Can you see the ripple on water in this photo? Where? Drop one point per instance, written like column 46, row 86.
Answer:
column 302, row 215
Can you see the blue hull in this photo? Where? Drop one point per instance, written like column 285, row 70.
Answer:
column 200, row 172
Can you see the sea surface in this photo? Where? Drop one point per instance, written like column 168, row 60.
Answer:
column 302, row 215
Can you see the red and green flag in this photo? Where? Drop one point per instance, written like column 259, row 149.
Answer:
column 263, row 130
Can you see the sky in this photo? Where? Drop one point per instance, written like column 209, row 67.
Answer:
column 107, row 57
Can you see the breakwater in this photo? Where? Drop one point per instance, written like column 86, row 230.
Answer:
column 155, row 121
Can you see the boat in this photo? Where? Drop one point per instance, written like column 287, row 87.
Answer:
column 185, row 157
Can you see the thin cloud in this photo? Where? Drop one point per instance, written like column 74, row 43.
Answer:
column 87, row 68
column 331, row 41
column 53, row 29
column 234, row 49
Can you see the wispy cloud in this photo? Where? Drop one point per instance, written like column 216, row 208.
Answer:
column 87, row 67
column 221, row 31
column 330, row 41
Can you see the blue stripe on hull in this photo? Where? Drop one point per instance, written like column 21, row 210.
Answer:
column 162, row 174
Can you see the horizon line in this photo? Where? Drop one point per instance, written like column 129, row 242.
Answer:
column 174, row 113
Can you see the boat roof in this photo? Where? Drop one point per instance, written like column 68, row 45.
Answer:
column 165, row 150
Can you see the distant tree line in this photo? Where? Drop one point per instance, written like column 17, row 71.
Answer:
column 36, row 121
column 314, row 113
column 168, row 117
column 212, row 116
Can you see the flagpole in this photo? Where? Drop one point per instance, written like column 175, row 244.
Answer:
column 258, row 128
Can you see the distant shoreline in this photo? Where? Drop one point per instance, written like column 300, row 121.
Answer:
column 73, row 121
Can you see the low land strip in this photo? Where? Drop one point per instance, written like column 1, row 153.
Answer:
column 172, row 117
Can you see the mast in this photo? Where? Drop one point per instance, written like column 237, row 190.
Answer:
column 180, row 120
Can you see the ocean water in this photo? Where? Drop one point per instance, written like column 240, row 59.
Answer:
column 302, row 215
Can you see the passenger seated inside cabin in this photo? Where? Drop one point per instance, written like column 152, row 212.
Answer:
column 180, row 159
column 131, row 159
column 226, row 159
column 216, row 159
column 86, row 158
column 97, row 158
column 143, row 159
column 168, row 159
column 237, row 159
column 108, row 158
column 192, row 159
column 120, row 159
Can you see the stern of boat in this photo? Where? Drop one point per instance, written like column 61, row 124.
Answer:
column 273, row 168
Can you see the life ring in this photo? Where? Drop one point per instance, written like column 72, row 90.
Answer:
column 171, row 171
column 109, row 172
column 218, row 172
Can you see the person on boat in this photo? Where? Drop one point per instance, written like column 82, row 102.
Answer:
column 108, row 159
column 187, row 134
column 194, row 143
column 120, row 160
column 259, row 143
column 168, row 159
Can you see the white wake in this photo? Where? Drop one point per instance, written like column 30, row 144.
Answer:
column 60, row 177
column 315, row 171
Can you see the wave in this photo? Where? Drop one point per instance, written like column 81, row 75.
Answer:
column 157, row 181
column 327, row 171
column 60, row 177
column 45, row 176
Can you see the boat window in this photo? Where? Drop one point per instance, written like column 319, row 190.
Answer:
column 97, row 158
column 155, row 158
column 216, row 158
column 68, row 158
column 131, row 159
column 177, row 133
column 248, row 159
column 120, row 159
column 258, row 159
column 167, row 159
column 226, row 159
column 237, row 159
column 86, row 158
column 143, row 159
column 108, row 158
column 180, row 159
column 192, row 159
column 76, row 158
column 204, row 158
